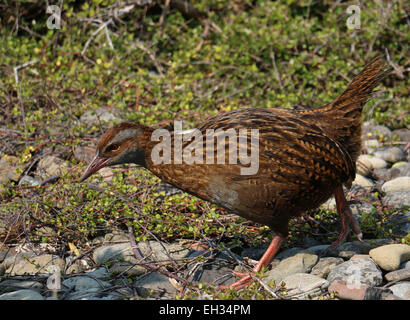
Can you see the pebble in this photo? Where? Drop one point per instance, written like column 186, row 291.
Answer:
column 392, row 155
column 13, row 285
column 103, row 114
column 10, row 169
column 50, row 166
column 356, row 272
column 401, row 290
column 346, row 291
column 397, row 199
column 304, row 285
column 325, row 265
column 84, row 283
column 403, row 134
column 22, row 295
column 371, row 143
column 397, row 275
column 396, row 185
column 28, row 180
column 372, row 131
column 299, row 263
column 155, row 250
column 216, row 270
column 366, row 183
column 372, row 162
column 389, row 257
column 36, row 265
column 84, row 153
column 360, row 292
column 158, row 283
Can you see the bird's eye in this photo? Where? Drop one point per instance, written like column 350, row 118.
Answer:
column 112, row 147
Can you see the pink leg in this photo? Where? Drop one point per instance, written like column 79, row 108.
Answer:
column 346, row 216
column 264, row 261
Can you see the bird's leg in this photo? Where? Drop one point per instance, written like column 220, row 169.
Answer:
column 346, row 216
column 263, row 262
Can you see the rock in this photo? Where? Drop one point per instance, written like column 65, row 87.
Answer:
column 10, row 285
column 329, row 204
column 382, row 174
column 389, row 257
column 103, row 114
column 99, row 273
column 152, row 249
column 403, row 134
column 253, row 253
column 304, row 285
column 51, row 166
column 10, row 169
column 397, row 199
column 400, row 163
column 116, row 236
column 22, row 295
column 84, row 283
column 360, row 208
column 372, row 131
column 371, row 162
column 371, row 144
column 396, row 185
column 405, row 265
column 401, row 274
column 288, row 253
column 156, row 282
column 317, row 250
column 392, row 155
column 402, row 170
column 28, row 181
column 215, row 269
column 325, row 265
column 36, row 265
column 84, row 154
column 349, row 249
column 345, row 291
column 106, row 173
column 401, row 289
column 359, row 292
column 367, row 184
column 127, row 269
column 356, row 272
column 299, row 263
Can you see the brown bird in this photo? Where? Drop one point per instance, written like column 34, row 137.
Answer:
column 303, row 158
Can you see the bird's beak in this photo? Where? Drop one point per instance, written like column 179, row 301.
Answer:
column 96, row 164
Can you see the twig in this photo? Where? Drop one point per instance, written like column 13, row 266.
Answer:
column 265, row 286
column 16, row 78
column 272, row 55
column 93, row 35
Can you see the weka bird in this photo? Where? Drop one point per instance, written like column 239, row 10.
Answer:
column 305, row 157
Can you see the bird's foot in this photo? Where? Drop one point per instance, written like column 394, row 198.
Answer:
column 245, row 280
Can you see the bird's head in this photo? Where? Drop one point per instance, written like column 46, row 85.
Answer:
column 122, row 143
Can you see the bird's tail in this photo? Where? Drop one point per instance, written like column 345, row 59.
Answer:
column 362, row 85
column 342, row 118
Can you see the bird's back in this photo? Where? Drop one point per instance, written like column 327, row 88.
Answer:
column 299, row 166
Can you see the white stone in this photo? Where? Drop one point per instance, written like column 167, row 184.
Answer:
column 389, row 257
column 396, row 185
column 363, row 182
